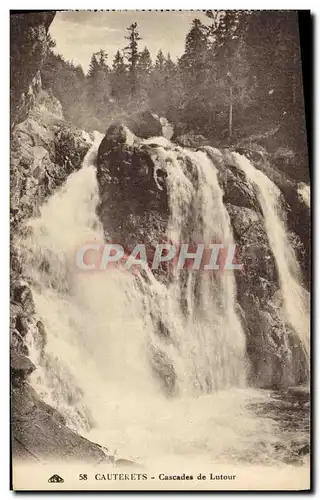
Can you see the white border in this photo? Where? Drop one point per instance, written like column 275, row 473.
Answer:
column 314, row 6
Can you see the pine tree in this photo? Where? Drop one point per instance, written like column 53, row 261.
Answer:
column 234, row 81
column 160, row 61
column 98, row 84
column 93, row 66
column 169, row 66
column 103, row 56
column 118, row 65
column 144, row 69
column 196, row 45
column 119, row 77
column 192, row 66
column 133, row 55
column 145, row 62
column 227, row 27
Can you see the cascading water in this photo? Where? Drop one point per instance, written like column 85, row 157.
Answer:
column 295, row 298
column 101, row 338
column 208, row 332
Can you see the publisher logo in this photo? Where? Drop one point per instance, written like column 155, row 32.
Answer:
column 55, row 479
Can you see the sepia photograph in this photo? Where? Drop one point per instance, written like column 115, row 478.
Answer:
column 160, row 250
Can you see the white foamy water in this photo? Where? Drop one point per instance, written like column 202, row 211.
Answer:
column 295, row 297
column 207, row 330
column 102, row 334
column 304, row 193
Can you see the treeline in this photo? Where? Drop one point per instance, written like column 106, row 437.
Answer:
column 239, row 74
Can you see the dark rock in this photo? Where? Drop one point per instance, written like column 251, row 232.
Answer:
column 133, row 197
column 22, row 324
column 304, row 450
column 40, row 431
column 42, row 335
column 14, row 311
column 22, row 295
column 237, row 190
column 144, row 124
column 276, row 355
column 21, row 368
column 295, row 209
column 115, row 137
column 163, row 329
column 163, row 369
column 299, row 223
column 70, row 148
column 22, row 363
column 259, row 275
column 18, row 345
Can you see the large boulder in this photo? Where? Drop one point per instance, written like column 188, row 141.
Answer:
column 133, row 196
column 144, row 124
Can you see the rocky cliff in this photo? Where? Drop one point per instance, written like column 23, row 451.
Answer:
column 44, row 151
column 29, row 44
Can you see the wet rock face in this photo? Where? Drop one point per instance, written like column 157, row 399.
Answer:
column 299, row 222
column 237, row 190
column 259, row 275
column 44, row 151
column 133, row 196
column 40, row 432
column 24, row 322
column 297, row 211
column 276, row 354
column 164, row 371
column 28, row 50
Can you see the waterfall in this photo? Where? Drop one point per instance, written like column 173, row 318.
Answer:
column 105, row 362
column 94, row 322
column 295, row 298
column 208, row 332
